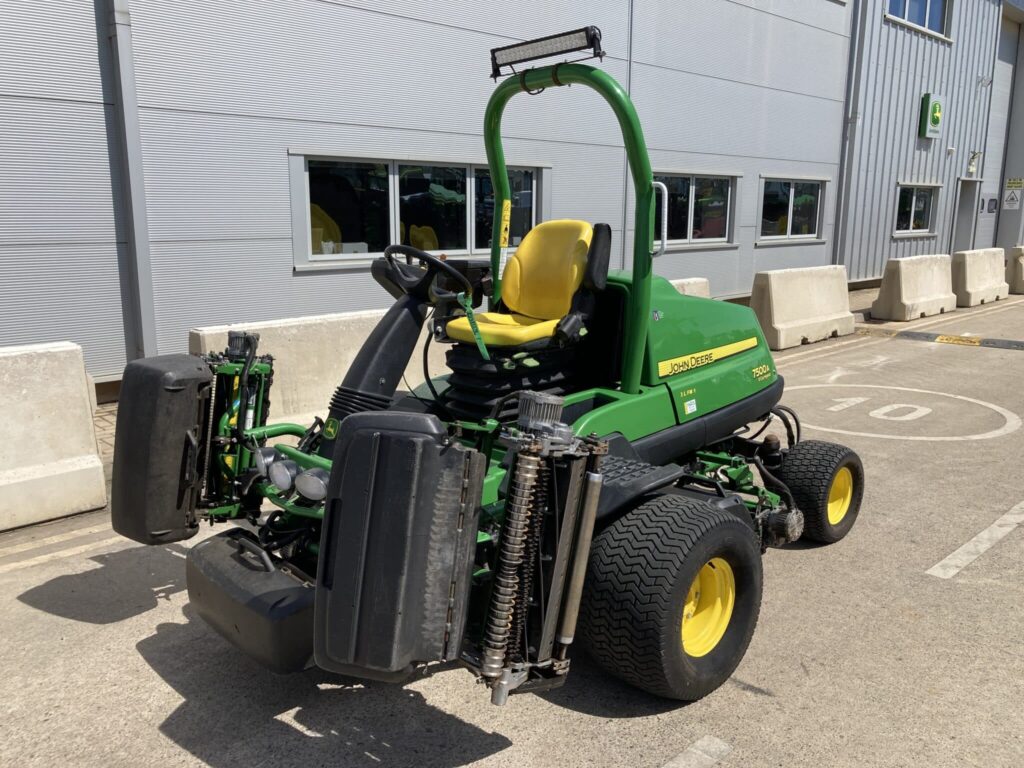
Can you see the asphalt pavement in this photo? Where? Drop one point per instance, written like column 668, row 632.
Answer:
column 901, row 645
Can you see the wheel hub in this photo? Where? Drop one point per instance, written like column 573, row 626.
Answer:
column 840, row 495
column 708, row 607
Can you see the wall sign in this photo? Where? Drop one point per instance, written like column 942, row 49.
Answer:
column 1011, row 200
column 932, row 111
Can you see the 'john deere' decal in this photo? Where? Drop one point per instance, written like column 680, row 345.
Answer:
column 705, row 357
column 331, row 429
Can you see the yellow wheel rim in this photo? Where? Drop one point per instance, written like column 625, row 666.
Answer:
column 840, row 495
column 708, row 608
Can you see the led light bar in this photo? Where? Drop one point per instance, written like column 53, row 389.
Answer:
column 588, row 38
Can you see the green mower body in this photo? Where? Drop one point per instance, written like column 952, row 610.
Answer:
column 481, row 518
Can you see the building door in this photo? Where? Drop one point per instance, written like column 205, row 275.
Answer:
column 968, row 211
column 998, row 126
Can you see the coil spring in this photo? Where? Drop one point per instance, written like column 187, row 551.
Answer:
column 511, row 548
column 518, row 642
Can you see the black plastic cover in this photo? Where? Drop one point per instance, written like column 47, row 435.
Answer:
column 266, row 613
column 396, row 549
column 157, row 443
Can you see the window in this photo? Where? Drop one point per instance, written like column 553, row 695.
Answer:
column 699, row 208
column 790, row 209
column 927, row 14
column 914, row 209
column 432, row 207
column 348, row 207
column 522, row 220
column 344, row 208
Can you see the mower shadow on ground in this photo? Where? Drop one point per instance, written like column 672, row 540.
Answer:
column 237, row 714
column 591, row 691
column 128, row 583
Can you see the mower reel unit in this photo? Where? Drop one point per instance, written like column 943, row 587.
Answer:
column 596, row 463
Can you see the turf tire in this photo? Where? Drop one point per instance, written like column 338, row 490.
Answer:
column 809, row 469
column 640, row 570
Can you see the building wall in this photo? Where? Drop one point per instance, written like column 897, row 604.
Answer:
column 1011, row 222
column 60, row 233
column 998, row 131
column 226, row 90
column 899, row 66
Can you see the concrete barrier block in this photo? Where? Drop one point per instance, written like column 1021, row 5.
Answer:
column 49, row 463
column 915, row 287
column 979, row 276
column 693, row 286
column 803, row 305
column 1015, row 270
column 311, row 356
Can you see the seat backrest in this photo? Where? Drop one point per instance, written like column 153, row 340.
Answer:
column 546, row 270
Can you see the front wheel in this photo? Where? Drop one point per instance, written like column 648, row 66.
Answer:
column 827, row 483
column 672, row 596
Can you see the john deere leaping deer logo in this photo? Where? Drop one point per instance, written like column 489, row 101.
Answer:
column 936, row 116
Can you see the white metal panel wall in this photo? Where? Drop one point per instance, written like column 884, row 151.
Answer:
column 59, row 237
column 1011, row 223
column 998, row 124
column 227, row 89
column 749, row 89
column 899, row 66
column 219, row 112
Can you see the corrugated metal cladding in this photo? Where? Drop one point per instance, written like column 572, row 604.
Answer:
column 901, row 65
column 225, row 90
column 59, row 231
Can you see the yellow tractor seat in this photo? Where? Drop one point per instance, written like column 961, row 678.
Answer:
column 538, row 286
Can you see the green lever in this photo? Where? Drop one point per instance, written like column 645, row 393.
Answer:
column 467, row 305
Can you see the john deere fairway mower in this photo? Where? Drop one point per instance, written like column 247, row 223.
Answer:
column 593, row 461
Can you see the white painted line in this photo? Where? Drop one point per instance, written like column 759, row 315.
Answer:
column 980, row 544
column 39, row 543
column 1012, row 420
column 829, row 350
column 820, row 350
column 703, row 753
column 41, row 559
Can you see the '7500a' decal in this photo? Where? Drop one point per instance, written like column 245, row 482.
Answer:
column 706, row 357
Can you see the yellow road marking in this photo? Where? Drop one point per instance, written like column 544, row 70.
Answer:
column 967, row 341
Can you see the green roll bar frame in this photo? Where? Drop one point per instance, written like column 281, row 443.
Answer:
column 532, row 80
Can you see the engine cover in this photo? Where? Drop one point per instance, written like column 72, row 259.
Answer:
column 396, row 548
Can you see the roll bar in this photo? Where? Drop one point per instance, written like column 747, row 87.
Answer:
column 532, row 80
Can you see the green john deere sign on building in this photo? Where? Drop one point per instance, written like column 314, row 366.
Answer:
column 932, row 109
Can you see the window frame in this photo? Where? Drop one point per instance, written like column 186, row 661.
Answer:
column 689, row 242
column 789, row 237
column 944, row 35
column 303, row 258
column 931, row 231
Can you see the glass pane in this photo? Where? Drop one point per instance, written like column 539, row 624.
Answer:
column 775, row 209
column 916, row 11
column 432, row 207
column 903, row 209
column 923, row 209
column 805, row 209
column 898, row 8
column 937, row 16
column 348, row 207
column 521, row 183
column 678, row 207
column 710, row 208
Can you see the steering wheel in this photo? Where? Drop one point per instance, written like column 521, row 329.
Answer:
column 421, row 283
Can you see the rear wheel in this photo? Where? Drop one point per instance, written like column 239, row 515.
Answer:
column 672, row 596
column 827, row 482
